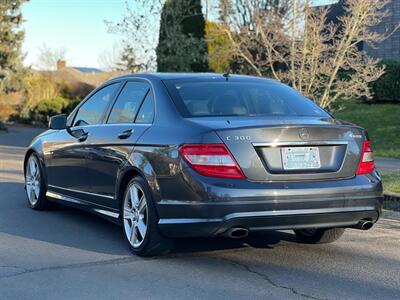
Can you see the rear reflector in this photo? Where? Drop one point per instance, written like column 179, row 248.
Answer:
column 366, row 165
column 212, row 160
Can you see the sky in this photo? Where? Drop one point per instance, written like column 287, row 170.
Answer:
column 74, row 25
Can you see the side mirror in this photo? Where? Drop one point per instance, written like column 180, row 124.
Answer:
column 58, row 122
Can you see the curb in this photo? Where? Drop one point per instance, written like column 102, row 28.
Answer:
column 391, row 201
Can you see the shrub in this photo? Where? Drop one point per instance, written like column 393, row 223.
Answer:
column 46, row 96
column 71, row 105
column 8, row 103
column 387, row 88
column 38, row 87
column 6, row 110
column 46, row 108
column 75, row 89
column 3, row 126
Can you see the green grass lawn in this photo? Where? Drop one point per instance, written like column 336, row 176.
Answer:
column 382, row 121
column 391, row 182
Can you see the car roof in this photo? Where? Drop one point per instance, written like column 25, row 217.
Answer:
column 171, row 76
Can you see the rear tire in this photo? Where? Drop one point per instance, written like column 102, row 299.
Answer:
column 319, row 235
column 140, row 220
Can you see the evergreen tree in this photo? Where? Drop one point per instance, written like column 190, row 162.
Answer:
column 220, row 52
column 11, row 37
column 128, row 61
column 182, row 46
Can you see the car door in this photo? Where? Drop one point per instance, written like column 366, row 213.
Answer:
column 110, row 144
column 67, row 169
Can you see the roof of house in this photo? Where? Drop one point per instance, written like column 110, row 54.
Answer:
column 336, row 10
column 87, row 70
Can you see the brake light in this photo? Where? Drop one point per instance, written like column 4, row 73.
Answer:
column 212, row 160
column 366, row 165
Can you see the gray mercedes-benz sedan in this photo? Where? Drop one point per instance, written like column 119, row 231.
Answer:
column 182, row 155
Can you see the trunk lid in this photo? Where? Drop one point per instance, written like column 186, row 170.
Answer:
column 270, row 149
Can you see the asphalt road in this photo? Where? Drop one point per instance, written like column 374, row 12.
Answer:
column 65, row 253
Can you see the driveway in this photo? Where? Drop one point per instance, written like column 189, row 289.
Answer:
column 64, row 254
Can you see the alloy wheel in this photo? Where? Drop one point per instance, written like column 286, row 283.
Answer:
column 135, row 215
column 32, row 180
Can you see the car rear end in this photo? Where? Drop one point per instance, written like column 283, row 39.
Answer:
column 285, row 165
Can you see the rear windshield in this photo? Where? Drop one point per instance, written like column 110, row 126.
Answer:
column 205, row 98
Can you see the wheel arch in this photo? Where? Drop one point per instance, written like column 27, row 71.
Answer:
column 132, row 170
column 29, row 152
column 27, row 155
column 39, row 155
column 123, row 181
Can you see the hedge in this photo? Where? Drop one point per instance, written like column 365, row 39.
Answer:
column 387, row 88
column 46, row 108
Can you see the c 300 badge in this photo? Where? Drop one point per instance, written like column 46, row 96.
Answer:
column 237, row 138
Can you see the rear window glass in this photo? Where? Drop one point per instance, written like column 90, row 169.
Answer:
column 239, row 98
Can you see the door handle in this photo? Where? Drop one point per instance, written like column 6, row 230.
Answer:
column 83, row 137
column 125, row 134
column 80, row 134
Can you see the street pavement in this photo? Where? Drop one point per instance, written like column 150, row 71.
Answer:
column 68, row 254
column 388, row 164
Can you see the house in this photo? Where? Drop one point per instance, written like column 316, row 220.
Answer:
column 81, row 76
column 62, row 64
column 80, row 80
column 389, row 49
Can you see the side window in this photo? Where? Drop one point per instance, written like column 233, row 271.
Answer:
column 128, row 102
column 146, row 112
column 92, row 111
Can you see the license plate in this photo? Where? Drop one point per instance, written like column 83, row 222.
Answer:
column 300, row 158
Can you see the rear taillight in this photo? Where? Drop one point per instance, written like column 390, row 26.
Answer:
column 213, row 160
column 366, row 165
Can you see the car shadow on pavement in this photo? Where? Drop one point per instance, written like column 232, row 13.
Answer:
column 79, row 229
column 59, row 225
column 260, row 240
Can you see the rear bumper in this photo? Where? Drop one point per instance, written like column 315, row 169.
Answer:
column 256, row 206
column 255, row 221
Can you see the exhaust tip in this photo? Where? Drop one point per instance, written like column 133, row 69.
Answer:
column 366, row 225
column 236, row 233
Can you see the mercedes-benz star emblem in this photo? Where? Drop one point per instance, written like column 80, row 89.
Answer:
column 303, row 133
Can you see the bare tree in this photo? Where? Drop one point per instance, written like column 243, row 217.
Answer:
column 47, row 57
column 109, row 59
column 139, row 30
column 320, row 59
column 239, row 19
column 121, row 58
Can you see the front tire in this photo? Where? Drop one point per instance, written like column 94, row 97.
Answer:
column 319, row 235
column 35, row 186
column 140, row 220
